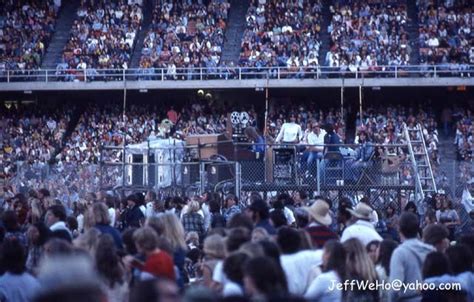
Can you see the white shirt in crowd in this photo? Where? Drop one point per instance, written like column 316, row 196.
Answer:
column 320, row 288
column 149, row 209
column 374, row 217
column 112, row 216
column 80, row 222
column 232, row 289
column 60, row 226
column 289, row 133
column 317, row 140
column 297, row 268
column 290, row 217
column 362, row 230
column 218, row 274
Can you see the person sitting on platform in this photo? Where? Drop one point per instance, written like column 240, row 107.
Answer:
column 258, row 142
column 290, row 133
column 363, row 156
column 315, row 148
column 331, row 138
column 332, row 152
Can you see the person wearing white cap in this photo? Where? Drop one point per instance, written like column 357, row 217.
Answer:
column 362, row 229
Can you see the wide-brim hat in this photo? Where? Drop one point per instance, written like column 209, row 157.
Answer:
column 319, row 211
column 361, row 211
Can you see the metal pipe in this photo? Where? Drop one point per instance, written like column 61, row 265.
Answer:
column 360, row 104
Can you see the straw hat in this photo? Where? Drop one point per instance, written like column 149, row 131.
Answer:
column 319, row 211
column 361, row 211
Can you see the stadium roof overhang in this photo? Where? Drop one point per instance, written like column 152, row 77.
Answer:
column 235, row 84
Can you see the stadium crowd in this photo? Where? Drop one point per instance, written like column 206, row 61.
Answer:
column 283, row 34
column 368, row 34
column 445, row 35
column 26, row 28
column 102, row 36
column 213, row 248
column 29, row 138
column 185, row 35
column 62, row 235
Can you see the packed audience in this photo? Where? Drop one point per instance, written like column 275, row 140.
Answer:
column 26, row 28
column 445, row 35
column 460, row 120
column 282, row 33
column 102, row 36
column 368, row 34
column 184, row 35
column 304, row 116
column 385, row 126
column 218, row 248
column 30, row 136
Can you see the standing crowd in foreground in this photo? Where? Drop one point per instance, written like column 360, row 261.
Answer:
column 209, row 248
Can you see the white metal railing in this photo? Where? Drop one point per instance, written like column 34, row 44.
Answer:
column 232, row 73
column 411, row 153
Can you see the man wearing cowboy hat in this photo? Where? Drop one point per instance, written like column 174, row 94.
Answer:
column 319, row 220
column 362, row 229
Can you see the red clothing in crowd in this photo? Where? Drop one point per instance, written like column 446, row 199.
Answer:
column 160, row 264
column 172, row 116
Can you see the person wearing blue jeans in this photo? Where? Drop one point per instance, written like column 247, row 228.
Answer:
column 314, row 151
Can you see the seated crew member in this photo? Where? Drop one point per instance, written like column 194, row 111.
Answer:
column 315, row 148
column 290, row 133
column 258, row 142
column 363, row 155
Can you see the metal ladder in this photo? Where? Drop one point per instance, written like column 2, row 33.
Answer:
column 424, row 177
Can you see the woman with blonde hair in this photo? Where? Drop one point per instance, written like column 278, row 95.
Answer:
column 214, row 252
column 99, row 213
column 88, row 241
column 192, row 220
column 359, row 267
column 169, row 227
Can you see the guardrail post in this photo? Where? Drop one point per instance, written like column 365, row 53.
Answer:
column 201, row 177
column 396, row 71
column 357, row 73
column 200, row 73
column 238, row 179
column 318, row 173
column 8, row 75
column 85, row 74
column 434, row 71
column 278, row 71
column 46, row 76
column 240, row 73
column 162, row 74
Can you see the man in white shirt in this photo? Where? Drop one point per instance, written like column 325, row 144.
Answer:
column 290, row 133
column 297, row 264
column 55, row 220
column 315, row 148
column 362, row 229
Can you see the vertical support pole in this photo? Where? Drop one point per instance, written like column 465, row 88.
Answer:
column 360, row 104
column 124, row 133
column 318, row 174
column 201, row 177
column 238, row 180
column 342, row 99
